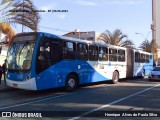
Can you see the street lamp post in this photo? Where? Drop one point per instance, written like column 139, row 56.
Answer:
column 145, row 38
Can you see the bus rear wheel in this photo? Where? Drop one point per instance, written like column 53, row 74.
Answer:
column 115, row 77
column 71, row 83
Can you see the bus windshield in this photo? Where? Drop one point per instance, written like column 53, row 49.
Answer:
column 19, row 57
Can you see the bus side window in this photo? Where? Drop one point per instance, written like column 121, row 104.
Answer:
column 41, row 50
column 150, row 56
column 112, row 54
column 147, row 59
column 142, row 58
column 47, row 51
column 121, row 55
column 95, row 53
column 103, row 53
column 55, row 51
column 41, row 58
column 69, row 50
column 137, row 57
column 82, row 50
column 44, row 51
column 93, row 50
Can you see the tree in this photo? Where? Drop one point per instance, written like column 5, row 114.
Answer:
column 116, row 38
column 6, row 29
column 19, row 12
column 150, row 47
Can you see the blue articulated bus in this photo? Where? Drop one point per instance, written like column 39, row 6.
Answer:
column 37, row 61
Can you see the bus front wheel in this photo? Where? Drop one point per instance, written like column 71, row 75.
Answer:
column 71, row 82
column 115, row 77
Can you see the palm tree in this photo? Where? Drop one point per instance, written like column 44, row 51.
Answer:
column 116, row 38
column 20, row 12
column 150, row 47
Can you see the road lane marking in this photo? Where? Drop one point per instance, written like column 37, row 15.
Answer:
column 112, row 103
column 40, row 99
column 35, row 101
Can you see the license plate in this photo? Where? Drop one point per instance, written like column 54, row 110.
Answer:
column 15, row 85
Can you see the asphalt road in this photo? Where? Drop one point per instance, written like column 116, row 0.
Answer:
column 97, row 101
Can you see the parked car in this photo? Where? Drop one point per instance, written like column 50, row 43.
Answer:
column 154, row 74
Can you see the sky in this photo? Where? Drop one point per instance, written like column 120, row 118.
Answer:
column 130, row 16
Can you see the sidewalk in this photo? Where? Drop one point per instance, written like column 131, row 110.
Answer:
column 3, row 85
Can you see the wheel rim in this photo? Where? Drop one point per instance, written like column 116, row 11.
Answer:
column 71, row 83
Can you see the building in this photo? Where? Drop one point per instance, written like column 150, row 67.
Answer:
column 156, row 23
column 90, row 35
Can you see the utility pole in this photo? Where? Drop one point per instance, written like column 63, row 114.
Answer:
column 23, row 17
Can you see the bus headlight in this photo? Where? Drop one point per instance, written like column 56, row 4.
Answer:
column 27, row 77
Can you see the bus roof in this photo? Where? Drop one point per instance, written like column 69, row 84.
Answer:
column 98, row 43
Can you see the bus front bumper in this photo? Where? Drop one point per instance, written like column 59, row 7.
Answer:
column 27, row 85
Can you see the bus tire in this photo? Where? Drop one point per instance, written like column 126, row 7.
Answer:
column 115, row 77
column 143, row 74
column 71, row 82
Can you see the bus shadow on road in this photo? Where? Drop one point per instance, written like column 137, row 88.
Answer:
column 61, row 90
column 109, row 82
